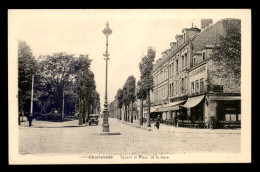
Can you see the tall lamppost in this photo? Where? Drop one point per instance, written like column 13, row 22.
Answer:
column 107, row 31
column 31, row 110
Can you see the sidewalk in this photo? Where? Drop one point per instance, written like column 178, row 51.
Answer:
column 48, row 124
column 168, row 128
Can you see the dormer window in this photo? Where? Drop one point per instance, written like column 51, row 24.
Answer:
column 194, row 60
column 203, row 55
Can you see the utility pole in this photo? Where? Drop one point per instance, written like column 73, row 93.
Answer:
column 31, row 111
column 62, row 116
column 107, row 31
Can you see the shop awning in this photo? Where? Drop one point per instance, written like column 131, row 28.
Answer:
column 152, row 108
column 194, row 101
column 170, row 106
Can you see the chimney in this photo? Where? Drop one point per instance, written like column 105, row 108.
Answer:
column 206, row 23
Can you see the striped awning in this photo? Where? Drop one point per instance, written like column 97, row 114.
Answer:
column 171, row 106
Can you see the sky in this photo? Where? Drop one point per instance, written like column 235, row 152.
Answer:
column 133, row 31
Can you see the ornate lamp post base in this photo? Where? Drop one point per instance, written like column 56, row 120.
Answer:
column 105, row 121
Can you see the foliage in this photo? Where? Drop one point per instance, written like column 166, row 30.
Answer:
column 26, row 63
column 227, row 55
column 146, row 80
column 119, row 98
column 63, row 72
column 146, row 67
column 131, row 88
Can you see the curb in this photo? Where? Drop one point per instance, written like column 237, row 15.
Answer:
column 206, row 132
column 137, row 126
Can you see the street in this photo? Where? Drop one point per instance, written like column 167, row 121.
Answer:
column 68, row 138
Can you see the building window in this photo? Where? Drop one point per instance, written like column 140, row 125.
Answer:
column 192, row 87
column 172, row 89
column 194, row 61
column 170, row 70
column 197, row 87
column 203, row 55
column 177, row 87
column 185, row 59
column 182, row 85
column 182, row 61
column 176, row 66
column 233, row 117
column 173, row 68
column 227, row 117
column 201, row 85
column 185, row 84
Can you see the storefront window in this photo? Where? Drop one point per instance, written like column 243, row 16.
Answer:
column 227, row 117
column 233, row 117
column 201, row 85
column 197, row 87
column 192, row 87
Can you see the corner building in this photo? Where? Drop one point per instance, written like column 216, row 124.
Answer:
column 184, row 84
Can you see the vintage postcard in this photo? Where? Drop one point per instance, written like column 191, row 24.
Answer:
column 129, row 86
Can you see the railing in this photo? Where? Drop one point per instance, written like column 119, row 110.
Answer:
column 191, row 124
column 229, row 124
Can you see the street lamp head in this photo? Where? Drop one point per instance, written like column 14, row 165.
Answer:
column 107, row 31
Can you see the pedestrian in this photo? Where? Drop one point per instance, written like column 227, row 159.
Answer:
column 158, row 122
column 176, row 121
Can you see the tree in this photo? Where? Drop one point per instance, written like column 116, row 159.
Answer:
column 141, row 94
column 125, row 100
column 146, row 67
column 120, row 101
column 87, row 88
column 63, row 73
column 26, row 63
column 227, row 55
column 54, row 76
column 131, row 92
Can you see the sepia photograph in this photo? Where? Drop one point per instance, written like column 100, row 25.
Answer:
column 129, row 86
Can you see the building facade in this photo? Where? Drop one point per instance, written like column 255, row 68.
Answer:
column 185, row 86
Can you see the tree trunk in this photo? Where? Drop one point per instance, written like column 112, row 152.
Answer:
column 120, row 117
column 132, row 113
column 125, row 114
column 22, row 116
column 84, row 113
column 19, row 121
column 128, row 113
column 148, row 109
column 141, row 111
column 80, row 112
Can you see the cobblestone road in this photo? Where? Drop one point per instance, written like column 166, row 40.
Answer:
column 66, row 138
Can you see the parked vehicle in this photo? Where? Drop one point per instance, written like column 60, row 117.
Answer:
column 93, row 119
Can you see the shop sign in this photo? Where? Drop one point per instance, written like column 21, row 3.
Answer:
column 218, row 88
column 197, row 71
column 225, row 97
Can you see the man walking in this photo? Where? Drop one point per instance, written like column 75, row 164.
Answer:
column 157, row 124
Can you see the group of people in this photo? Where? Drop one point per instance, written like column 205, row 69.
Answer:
column 158, row 120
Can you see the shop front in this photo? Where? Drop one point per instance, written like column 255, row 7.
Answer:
column 171, row 111
column 194, row 116
column 226, row 110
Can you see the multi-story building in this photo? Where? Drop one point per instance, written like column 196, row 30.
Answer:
column 184, row 84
